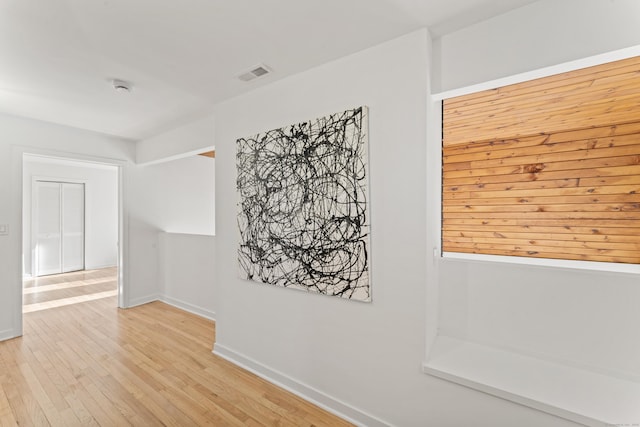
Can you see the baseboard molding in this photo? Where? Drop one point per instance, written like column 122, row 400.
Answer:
column 207, row 314
column 191, row 308
column 143, row 300
column 306, row 392
column 99, row 267
column 8, row 334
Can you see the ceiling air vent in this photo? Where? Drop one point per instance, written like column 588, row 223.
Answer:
column 254, row 73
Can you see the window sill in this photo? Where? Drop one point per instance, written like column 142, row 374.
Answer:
column 546, row 262
column 572, row 393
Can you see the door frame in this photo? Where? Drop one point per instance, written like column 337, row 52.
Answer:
column 34, row 217
column 16, row 215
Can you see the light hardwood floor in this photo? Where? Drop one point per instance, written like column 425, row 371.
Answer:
column 82, row 361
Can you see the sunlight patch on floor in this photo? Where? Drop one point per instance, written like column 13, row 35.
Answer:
column 67, row 285
column 29, row 308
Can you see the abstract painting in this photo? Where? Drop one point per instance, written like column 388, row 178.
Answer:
column 303, row 208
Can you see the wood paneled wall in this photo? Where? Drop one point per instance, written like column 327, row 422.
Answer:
column 547, row 168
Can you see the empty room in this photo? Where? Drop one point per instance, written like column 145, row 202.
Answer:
column 365, row 212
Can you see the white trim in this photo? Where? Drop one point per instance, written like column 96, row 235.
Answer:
column 302, row 390
column 99, row 267
column 57, row 179
column 34, row 158
column 15, row 239
column 65, row 155
column 603, row 58
column 8, row 334
column 611, row 267
column 569, row 392
column 142, row 300
column 123, row 243
column 434, row 221
column 191, row 308
column 178, row 156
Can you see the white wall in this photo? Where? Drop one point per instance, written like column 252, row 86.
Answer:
column 190, row 137
column 19, row 135
column 178, row 196
column 101, row 214
column 580, row 318
column 187, row 267
column 587, row 318
column 364, row 356
column 541, row 34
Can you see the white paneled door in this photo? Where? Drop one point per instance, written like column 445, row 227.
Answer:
column 48, row 230
column 59, row 227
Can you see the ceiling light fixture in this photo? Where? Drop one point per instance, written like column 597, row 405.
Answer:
column 121, row 86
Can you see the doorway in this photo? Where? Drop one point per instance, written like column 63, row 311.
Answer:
column 71, row 232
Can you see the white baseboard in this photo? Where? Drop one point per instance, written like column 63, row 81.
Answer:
column 207, row 314
column 308, row 393
column 142, row 300
column 191, row 308
column 99, row 267
column 8, row 334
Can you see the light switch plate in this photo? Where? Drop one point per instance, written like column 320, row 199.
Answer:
column 4, row 229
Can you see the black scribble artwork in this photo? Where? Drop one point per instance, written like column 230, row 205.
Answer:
column 303, row 206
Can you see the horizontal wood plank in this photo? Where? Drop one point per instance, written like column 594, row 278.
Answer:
column 521, row 157
column 545, row 138
column 494, row 223
column 529, row 247
column 537, row 254
column 556, row 216
column 551, row 233
column 487, row 210
column 535, row 242
column 542, row 175
column 536, row 168
column 540, row 146
column 541, row 184
column 621, row 190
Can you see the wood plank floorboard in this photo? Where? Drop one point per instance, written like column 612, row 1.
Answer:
column 88, row 363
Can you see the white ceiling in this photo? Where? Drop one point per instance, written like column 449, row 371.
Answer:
column 57, row 57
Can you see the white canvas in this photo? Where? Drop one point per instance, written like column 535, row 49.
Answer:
column 303, row 208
